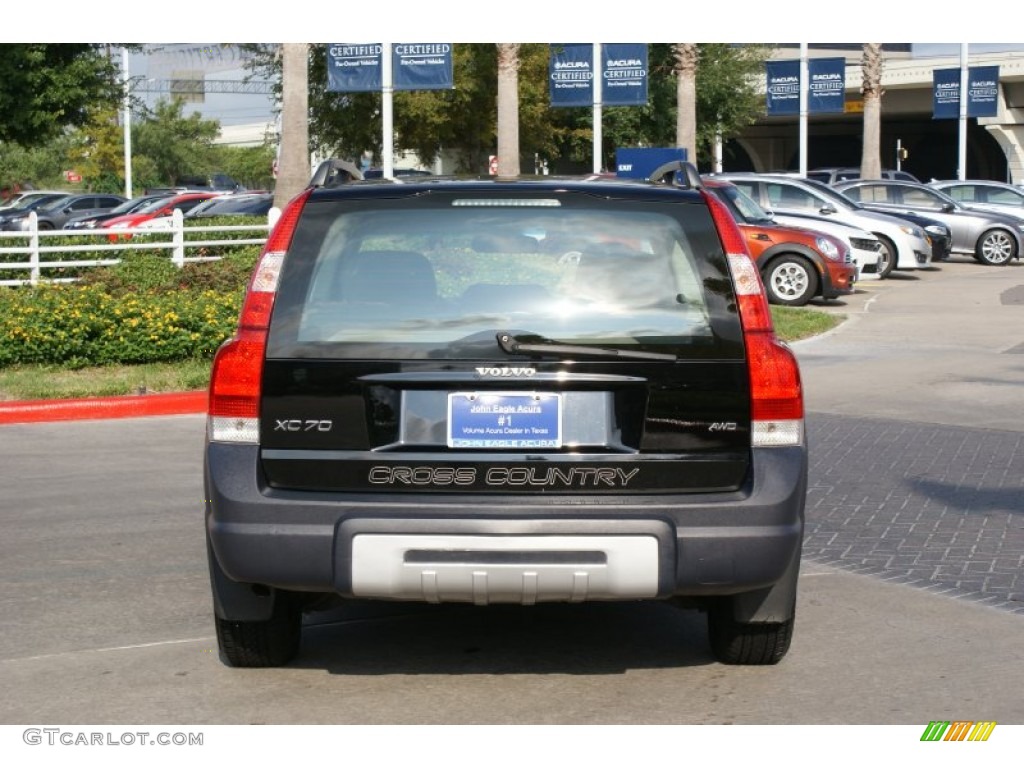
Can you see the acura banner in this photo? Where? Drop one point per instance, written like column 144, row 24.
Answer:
column 571, row 75
column 827, row 91
column 624, row 74
column 982, row 93
column 783, row 87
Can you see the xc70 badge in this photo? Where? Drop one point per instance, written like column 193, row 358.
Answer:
column 505, row 372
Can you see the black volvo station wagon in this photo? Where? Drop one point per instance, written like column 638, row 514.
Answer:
column 505, row 391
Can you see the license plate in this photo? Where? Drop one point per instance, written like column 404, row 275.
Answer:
column 504, row 420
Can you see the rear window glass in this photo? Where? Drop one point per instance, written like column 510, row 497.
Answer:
column 439, row 276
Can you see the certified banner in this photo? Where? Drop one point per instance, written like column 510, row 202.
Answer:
column 982, row 93
column 827, row 89
column 353, row 68
column 422, row 66
column 624, row 74
column 571, row 75
column 783, row 87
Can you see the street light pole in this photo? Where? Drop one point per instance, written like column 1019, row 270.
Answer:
column 127, row 125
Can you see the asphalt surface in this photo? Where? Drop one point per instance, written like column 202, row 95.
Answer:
column 909, row 605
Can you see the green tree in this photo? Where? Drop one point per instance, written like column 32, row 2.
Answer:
column 45, row 88
column 249, row 166
column 176, row 145
column 97, row 153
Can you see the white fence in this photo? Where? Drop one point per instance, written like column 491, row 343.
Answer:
column 177, row 245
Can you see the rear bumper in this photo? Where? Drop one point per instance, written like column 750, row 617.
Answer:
column 690, row 545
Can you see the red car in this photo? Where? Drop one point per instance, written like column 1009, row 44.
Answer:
column 158, row 209
column 796, row 264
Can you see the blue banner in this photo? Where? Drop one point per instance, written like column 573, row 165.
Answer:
column 352, row 68
column 982, row 93
column 422, row 66
column 571, row 75
column 783, row 87
column 827, row 89
column 624, row 74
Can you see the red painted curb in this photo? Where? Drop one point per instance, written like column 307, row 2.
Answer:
column 127, row 406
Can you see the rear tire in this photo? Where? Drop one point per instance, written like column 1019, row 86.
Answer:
column 270, row 643
column 790, row 281
column 887, row 256
column 996, row 247
column 738, row 642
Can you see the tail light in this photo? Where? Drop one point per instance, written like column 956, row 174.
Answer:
column 237, row 374
column 776, row 396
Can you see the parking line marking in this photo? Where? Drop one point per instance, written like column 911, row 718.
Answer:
column 115, row 648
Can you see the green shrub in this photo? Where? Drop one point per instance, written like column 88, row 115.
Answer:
column 83, row 325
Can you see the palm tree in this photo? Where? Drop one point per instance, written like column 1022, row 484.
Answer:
column 685, row 67
column 508, row 109
column 871, row 154
column 293, row 167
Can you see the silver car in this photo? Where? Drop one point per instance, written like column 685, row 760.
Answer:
column 992, row 238
column 904, row 244
column 985, row 195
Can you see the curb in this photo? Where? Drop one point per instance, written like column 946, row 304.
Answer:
column 123, row 407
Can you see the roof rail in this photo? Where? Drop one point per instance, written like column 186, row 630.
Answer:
column 669, row 174
column 331, row 173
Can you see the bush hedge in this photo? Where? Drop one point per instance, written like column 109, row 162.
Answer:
column 142, row 310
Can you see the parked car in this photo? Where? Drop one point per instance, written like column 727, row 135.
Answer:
column 21, row 198
column 217, row 182
column 935, row 232
column 833, row 175
column 505, row 391
column 93, row 220
column 233, row 205
column 11, row 218
column 796, row 264
column 904, row 245
column 992, row 238
column 151, row 216
column 55, row 214
column 865, row 248
column 985, row 195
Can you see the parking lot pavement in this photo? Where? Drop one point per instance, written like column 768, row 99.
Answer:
column 941, row 508
column 917, row 433
column 940, row 346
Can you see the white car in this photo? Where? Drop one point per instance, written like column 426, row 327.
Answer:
column 865, row 248
column 904, row 245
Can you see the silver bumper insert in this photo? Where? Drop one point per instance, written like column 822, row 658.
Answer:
column 504, row 569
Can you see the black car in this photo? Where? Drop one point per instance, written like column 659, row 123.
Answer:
column 505, row 391
column 938, row 234
column 93, row 220
column 56, row 213
column 233, row 205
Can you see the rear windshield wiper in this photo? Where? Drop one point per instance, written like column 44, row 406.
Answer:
column 541, row 346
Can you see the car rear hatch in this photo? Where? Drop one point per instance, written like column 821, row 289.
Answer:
column 499, row 338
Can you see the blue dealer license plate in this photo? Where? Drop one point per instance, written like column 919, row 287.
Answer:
column 504, row 420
